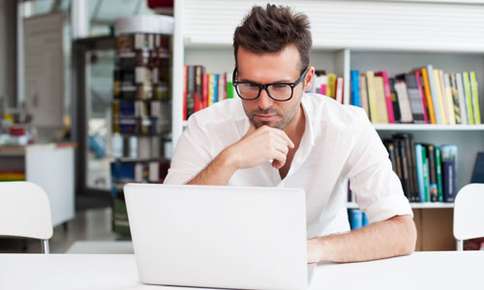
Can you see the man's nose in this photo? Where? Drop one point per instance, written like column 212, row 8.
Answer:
column 264, row 101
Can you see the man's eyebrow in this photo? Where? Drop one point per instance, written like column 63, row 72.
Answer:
column 273, row 82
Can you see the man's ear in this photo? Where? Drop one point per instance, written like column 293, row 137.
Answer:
column 308, row 80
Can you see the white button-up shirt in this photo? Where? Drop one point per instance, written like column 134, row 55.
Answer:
column 339, row 144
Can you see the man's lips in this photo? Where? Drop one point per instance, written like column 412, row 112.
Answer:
column 265, row 116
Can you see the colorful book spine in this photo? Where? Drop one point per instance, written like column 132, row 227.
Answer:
column 404, row 101
column 355, row 88
column 433, row 187
column 428, row 96
column 340, row 96
column 418, row 78
column 420, row 171
column 426, row 175
column 475, row 98
column 440, row 96
column 388, row 96
column 462, row 98
column 364, row 94
column 435, row 93
column 468, row 97
column 438, row 170
column 448, row 98
column 449, row 158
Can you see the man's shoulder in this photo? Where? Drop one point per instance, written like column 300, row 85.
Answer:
column 325, row 109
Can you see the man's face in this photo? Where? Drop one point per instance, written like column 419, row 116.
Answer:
column 283, row 66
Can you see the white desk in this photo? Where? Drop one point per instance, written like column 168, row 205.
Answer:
column 422, row 270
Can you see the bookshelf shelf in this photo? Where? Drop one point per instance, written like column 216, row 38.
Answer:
column 416, row 205
column 427, row 127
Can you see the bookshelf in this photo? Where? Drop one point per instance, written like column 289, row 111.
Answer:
column 141, row 106
column 395, row 35
column 415, row 205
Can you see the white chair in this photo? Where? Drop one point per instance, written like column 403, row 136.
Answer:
column 469, row 214
column 25, row 212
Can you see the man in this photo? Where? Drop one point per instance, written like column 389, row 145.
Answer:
column 277, row 135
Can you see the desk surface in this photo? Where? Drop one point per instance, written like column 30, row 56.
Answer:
column 422, row 270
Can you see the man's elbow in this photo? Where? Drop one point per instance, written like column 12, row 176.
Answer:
column 408, row 236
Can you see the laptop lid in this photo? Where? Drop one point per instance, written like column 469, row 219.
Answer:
column 219, row 236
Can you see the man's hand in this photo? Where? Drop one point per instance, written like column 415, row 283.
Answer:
column 256, row 147
column 259, row 146
column 395, row 236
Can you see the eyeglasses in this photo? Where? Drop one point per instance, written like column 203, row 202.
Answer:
column 280, row 92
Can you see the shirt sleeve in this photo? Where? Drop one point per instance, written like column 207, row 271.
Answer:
column 377, row 188
column 192, row 154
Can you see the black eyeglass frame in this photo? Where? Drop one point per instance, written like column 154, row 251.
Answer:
column 265, row 87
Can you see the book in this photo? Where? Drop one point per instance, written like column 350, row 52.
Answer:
column 438, row 171
column 379, row 98
column 404, row 165
column 462, row 98
column 428, row 96
column 418, row 78
column 403, row 100
column 332, row 85
column 449, row 158
column 420, row 171
column 415, row 98
column 468, row 97
column 425, row 172
column 456, row 100
column 372, row 98
column 154, row 171
column 395, row 102
column 364, row 94
column 387, row 95
column 439, row 89
column 340, row 97
column 355, row 218
column 448, row 98
column 409, row 149
column 435, row 93
column 355, row 88
column 478, row 171
column 190, row 91
column 475, row 97
column 433, row 188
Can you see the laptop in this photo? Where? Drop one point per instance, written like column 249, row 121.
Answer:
column 219, row 236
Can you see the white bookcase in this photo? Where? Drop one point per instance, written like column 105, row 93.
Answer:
column 394, row 35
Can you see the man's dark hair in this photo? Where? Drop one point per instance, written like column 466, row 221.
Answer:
column 271, row 29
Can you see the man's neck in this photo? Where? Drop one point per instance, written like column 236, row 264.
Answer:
column 295, row 129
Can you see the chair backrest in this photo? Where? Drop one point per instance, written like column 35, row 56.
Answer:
column 25, row 211
column 469, row 212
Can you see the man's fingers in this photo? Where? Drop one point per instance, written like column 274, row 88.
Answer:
column 279, row 160
column 284, row 137
column 251, row 129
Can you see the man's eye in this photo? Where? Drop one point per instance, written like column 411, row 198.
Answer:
column 279, row 86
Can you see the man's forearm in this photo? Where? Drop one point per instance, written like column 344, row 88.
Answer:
column 217, row 172
column 393, row 237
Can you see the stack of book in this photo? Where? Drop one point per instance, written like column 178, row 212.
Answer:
column 425, row 95
column 202, row 89
column 141, row 115
column 328, row 84
column 427, row 171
